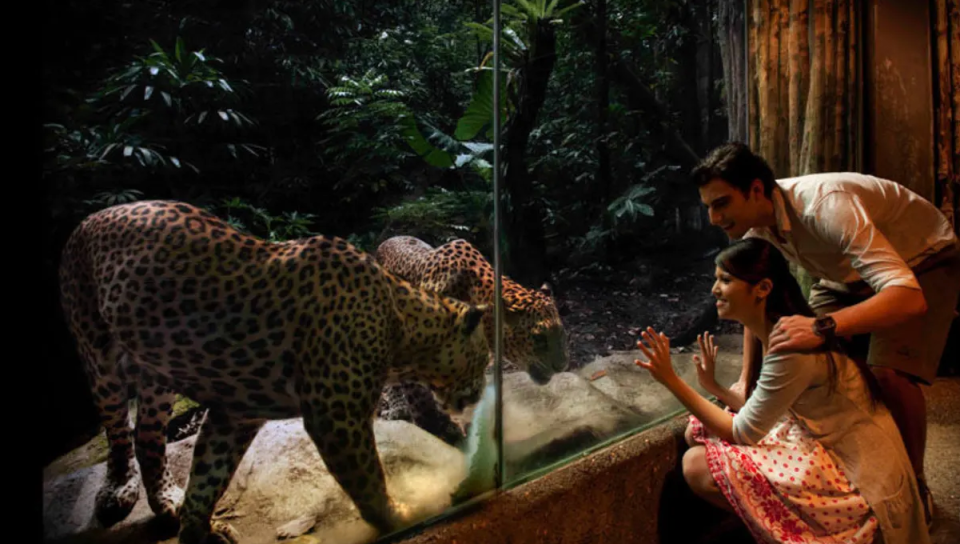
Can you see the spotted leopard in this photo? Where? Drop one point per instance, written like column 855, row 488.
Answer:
column 170, row 298
column 534, row 338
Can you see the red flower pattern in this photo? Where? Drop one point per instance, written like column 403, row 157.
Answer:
column 789, row 506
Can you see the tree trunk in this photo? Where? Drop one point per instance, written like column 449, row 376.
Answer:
column 687, row 90
column 812, row 148
column 730, row 36
column 799, row 80
column 639, row 95
column 527, row 250
column 947, row 119
column 603, row 106
column 704, row 73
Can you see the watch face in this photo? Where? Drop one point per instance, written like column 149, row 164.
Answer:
column 825, row 324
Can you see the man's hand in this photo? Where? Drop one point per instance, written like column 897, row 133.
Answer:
column 794, row 333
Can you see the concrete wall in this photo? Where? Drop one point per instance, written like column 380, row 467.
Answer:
column 632, row 491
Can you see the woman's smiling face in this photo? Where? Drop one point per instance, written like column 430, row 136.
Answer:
column 735, row 297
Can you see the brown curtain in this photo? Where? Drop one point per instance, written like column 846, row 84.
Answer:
column 947, row 119
column 803, row 88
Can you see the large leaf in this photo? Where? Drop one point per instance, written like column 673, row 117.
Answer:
column 480, row 112
column 423, row 148
column 178, row 49
column 478, row 148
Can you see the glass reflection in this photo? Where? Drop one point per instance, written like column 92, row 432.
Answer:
column 608, row 105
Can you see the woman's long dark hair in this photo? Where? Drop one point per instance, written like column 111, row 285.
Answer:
column 754, row 259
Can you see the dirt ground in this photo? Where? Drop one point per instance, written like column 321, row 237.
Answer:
column 605, row 310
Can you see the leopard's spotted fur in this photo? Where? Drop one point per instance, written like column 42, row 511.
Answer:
column 534, row 338
column 171, row 298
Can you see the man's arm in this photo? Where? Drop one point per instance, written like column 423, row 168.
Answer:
column 843, row 222
column 888, row 308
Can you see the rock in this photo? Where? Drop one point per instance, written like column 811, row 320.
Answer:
column 281, row 478
column 543, row 424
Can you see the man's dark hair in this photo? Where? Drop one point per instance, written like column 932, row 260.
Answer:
column 736, row 164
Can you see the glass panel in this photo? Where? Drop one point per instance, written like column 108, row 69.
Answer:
column 269, row 125
column 609, row 106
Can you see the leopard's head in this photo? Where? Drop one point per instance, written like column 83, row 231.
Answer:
column 534, row 336
column 462, row 360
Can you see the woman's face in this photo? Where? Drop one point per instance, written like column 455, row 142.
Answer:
column 736, row 299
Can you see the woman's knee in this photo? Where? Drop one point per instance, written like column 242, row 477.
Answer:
column 688, row 436
column 695, row 470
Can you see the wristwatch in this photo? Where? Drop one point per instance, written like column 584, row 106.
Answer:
column 825, row 327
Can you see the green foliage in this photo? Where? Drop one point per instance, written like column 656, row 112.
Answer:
column 364, row 132
column 440, row 150
column 346, row 109
column 443, row 215
column 479, row 114
column 629, row 215
column 114, row 197
column 628, row 207
column 260, row 222
column 520, row 21
column 164, row 100
column 364, row 241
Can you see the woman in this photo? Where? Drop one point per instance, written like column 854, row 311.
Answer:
column 811, row 454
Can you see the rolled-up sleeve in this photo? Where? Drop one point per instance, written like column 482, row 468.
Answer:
column 842, row 221
column 783, row 378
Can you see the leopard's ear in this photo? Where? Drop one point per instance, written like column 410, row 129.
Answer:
column 472, row 318
column 546, row 289
column 513, row 315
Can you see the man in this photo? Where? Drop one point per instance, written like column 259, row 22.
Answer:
column 887, row 263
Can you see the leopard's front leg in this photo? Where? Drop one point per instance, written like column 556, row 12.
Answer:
column 342, row 430
column 413, row 402
column 220, row 446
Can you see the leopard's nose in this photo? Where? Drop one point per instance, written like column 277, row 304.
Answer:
column 538, row 375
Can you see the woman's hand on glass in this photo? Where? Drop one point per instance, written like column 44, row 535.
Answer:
column 706, row 362
column 658, row 356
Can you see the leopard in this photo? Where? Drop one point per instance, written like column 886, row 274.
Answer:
column 534, row 337
column 163, row 297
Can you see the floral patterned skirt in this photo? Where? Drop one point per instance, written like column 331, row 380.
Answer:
column 787, row 488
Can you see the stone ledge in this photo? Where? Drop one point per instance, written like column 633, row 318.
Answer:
column 631, row 491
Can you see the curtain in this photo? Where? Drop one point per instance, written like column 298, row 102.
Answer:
column 947, row 115
column 803, row 87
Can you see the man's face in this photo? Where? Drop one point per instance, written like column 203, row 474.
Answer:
column 729, row 209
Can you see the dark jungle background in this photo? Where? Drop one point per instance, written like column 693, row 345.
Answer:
column 365, row 119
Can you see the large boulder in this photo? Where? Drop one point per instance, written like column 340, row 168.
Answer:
column 281, row 478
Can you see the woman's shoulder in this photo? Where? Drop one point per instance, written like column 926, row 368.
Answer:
column 796, row 362
column 804, row 356
column 783, row 357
